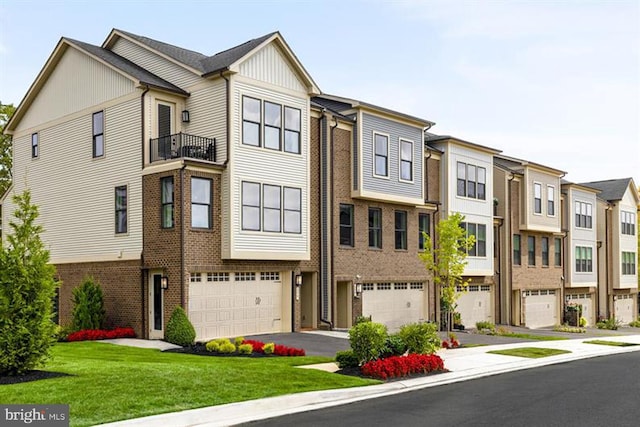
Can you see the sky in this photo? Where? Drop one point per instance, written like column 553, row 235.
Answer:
column 553, row 82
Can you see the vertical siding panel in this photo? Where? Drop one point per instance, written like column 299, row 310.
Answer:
column 269, row 65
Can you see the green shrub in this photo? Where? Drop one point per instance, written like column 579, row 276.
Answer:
column 268, row 348
column 212, row 346
column 221, row 341
column 238, row 341
column 486, row 326
column 227, row 348
column 582, row 322
column 368, row 340
column 346, row 359
column 611, row 324
column 360, row 319
column 394, row 346
column 567, row 328
column 179, row 329
column 61, row 333
column 421, row 338
column 635, row 324
column 88, row 306
column 245, row 348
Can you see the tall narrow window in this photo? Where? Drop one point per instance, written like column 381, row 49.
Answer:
column 165, row 143
column 557, row 245
column 271, row 207
column 517, row 250
column 584, row 259
column 481, row 240
column 406, row 160
column 34, row 145
column 166, row 189
column 200, row 203
column 272, row 125
column 537, row 198
column 628, row 223
column 401, row 229
column 423, row 226
column 471, row 181
column 250, row 206
column 292, row 210
column 551, row 201
column 346, row 225
column 462, row 179
column 545, row 251
column 628, row 263
column 531, row 248
column 98, row 134
column 381, row 157
column 482, row 183
column 251, row 119
column 121, row 209
column 292, row 126
column 375, row 228
column 589, row 220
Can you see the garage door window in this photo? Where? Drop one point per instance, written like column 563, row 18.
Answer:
column 245, row 277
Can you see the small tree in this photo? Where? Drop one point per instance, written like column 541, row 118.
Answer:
column 446, row 261
column 179, row 328
column 88, row 306
column 27, row 287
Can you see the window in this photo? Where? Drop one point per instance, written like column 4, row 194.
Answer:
column 406, row 160
column 462, row 179
column 121, row 209
column 200, row 203
column 34, row 145
column 557, row 244
column 471, row 181
column 537, row 198
column 479, row 248
column 401, row 229
column 250, row 206
column 292, row 210
column 272, row 125
column 292, row 122
column 545, row 251
column 551, row 208
column 482, row 183
column 346, row 225
column 583, row 215
column 98, row 134
column 423, row 227
column 375, row 228
column 628, row 263
column 584, row 259
column 251, row 113
column 531, row 247
column 517, row 253
column 166, row 190
column 628, row 223
column 271, row 207
column 381, row 155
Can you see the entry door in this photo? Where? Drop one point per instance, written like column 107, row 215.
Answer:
column 167, row 145
column 156, row 306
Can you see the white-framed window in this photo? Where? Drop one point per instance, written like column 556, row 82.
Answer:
column 195, row 277
column 98, row 134
column 628, row 223
column 292, row 210
column 292, row 129
column 35, row 148
column 380, row 155
column 551, row 201
column 250, row 206
column 244, row 277
column 264, row 123
column 271, row 207
column 537, row 198
column 251, row 120
column 121, row 204
column 583, row 215
column 471, row 181
column 584, row 259
column 628, row 263
column 270, row 275
column 217, row 277
column 272, row 125
column 479, row 248
column 406, row 160
column 200, row 202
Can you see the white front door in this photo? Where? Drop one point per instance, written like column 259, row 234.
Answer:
column 156, row 306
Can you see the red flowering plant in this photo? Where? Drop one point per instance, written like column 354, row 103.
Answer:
column 101, row 334
column 402, row 366
column 452, row 342
column 279, row 350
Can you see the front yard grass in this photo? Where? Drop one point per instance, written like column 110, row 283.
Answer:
column 111, row 382
column 531, row 336
column 612, row 343
column 530, row 352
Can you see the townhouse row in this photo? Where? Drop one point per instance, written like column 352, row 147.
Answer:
column 232, row 186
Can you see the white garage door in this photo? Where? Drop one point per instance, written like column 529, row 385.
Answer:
column 588, row 309
column 394, row 304
column 475, row 305
column 623, row 309
column 235, row 304
column 540, row 308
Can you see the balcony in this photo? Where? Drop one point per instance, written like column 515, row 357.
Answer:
column 182, row 145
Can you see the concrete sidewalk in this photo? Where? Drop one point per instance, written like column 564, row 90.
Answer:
column 463, row 363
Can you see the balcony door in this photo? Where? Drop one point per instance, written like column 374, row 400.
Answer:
column 167, row 146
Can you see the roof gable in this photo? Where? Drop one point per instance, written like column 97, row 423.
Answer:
column 614, row 189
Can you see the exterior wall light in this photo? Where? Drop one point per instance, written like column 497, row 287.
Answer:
column 185, row 116
column 164, row 282
column 298, row 280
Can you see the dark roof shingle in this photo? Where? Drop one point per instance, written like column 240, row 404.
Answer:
column 611, row 189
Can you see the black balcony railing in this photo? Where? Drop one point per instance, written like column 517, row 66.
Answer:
column 182, row 145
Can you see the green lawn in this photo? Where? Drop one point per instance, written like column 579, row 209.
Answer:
column 531, row 352
column 532, row 336
column 612, row 343
column 111, row 383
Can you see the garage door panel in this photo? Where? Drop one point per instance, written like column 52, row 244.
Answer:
column 624, row 309
column 394, row 305
column 540, row 311
column 474, row 306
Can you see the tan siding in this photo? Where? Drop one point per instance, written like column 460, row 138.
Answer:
column 156, row 64
column 542, row 222
column 207, row 108
column 92, row 83
column 268, row 65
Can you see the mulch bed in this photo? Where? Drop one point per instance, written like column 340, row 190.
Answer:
column 34, row 375
column 356, row 372
column 199, row 349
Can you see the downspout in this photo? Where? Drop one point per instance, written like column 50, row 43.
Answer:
column 142, row 120
column 228, row 93
column 426, row 170
column 509, row 270
column 322, row 170
column 142, row 278
column 436, row 294
column 330, row 203
column 609, row 295
column 182, row 284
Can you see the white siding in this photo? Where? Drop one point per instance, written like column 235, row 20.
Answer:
column 92, row 83
column 78, row 213
column 208, row 108
column 269, row 65
column 161, row 67
column 582, row 237
column 627, row 243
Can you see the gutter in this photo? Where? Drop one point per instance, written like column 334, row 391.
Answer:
column 324, row 280
column 228, row 96
column 182, row 284
column 330, row 203
column 144, row 330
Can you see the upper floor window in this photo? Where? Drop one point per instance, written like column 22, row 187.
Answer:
column 166, row 190
column 292, row 128
column 583, row 214
column 401, row 230
column 517, row 251
column 271, row 209
column 251, row 115
column 98, row 134
column 537, row 198
column 628, row 263
column 375, row 228
column 545, row 251
column 584, row 259
column 281, row 208
column 557, row 245
column 531, row 248
column 628, row 223
column 551, row 201
column 479, row 248
column 272, row 125
column 423, row 227
column 346, row 225
column 406, row 160
column 250, row 206
column 381, row 155
column 292, row 210
column 267, row 130
column 471, row 181
column 34, row 145
column 200, row 202
column 121, row 209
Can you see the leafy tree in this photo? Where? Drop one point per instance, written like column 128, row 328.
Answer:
column 26, row 293
column 88, row 306
column 447, row 259
column 6, row 111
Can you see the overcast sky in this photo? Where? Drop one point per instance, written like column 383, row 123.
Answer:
column 554, row 82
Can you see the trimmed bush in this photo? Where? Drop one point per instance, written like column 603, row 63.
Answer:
column 368, row 340
column 420, row 338
column 268, row 348
column 88, row 306
column 227, row 348
column 245, row 349
column 486, row 326
column 394, row 346
column 635, row 324
column 212, row 346
column 346, row 359
column 179, row 329
column 238, row 341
